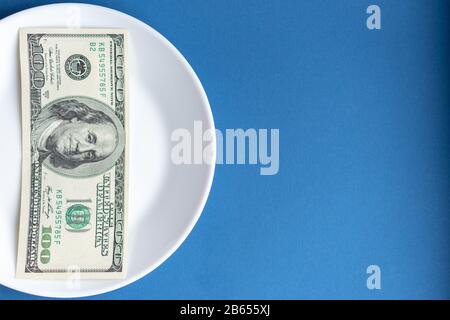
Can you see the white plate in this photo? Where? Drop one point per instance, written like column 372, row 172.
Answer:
column 165, row 94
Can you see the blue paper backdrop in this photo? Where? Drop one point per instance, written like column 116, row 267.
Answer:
column 364, row 149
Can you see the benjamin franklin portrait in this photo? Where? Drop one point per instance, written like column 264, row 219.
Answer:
column 70, row 133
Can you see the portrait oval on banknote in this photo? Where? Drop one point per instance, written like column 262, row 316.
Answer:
column 77, row 137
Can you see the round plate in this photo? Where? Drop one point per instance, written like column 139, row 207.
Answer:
column 165, row 200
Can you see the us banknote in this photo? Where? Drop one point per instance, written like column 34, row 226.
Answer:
column 75, row 153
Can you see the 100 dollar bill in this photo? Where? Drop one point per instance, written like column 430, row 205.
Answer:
column 74, row 155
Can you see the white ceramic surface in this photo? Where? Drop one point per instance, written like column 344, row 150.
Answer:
column 165, row 200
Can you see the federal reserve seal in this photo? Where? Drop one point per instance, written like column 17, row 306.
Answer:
column 78, row 218
column 78, row 67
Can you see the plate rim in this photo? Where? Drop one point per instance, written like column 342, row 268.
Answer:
column 210, row 177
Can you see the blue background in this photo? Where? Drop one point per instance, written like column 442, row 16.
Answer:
column 364, row 149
